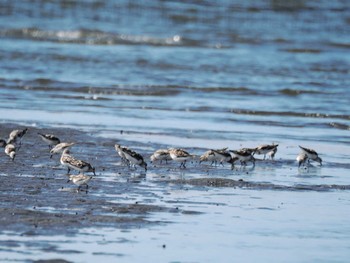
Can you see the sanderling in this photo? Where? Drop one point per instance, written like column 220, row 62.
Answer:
column 302, row 158
column 160, row 155
column 226, row 157
column 270, row 149
column 134, row 158
column 16, row 136
column 215, row 156
column 311, row 154
column 50, row 139
column 248, row 150
column 243, row 156
column 80, row 180
column 71, row 163
column 208, row 156
column 10, row 150
column 180, row 155
column 59, row 148
column 272, row 153
column 120, row 150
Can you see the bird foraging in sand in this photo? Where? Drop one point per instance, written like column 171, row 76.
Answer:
column 120, row 150
column 311, row 154
column 80, row 180
column 72, row 163
column 269, row 149
column 161, row 155
column 219, row 155
column 59, row 148
column 16, row 136
column 243, row 156
column 208, row 156
column 213, row 156
column 302, row 159
column 180, row 155
column 134, row 158
column 10, row 150
column 50, row 139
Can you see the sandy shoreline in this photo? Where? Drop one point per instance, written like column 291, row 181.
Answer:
column 36, row 197
column 37, row 201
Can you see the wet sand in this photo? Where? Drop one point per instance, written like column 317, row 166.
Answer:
column 37, row 201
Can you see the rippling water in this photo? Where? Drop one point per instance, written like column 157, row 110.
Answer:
column 197, row 75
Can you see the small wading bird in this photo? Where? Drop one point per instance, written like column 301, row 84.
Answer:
column 266, row 149
column 59, row 148
column 16, row 136
column 243, row 156
column 301, row 159
column 311, row 154
column 225, row 156
column 120, row 150
column 220, row 155
column 134, row 158
column 214, row 156
column 50, row 139
column 10, row 150
column 180, row 155
column 161, row 155
column 80, row 180
column 71, row 163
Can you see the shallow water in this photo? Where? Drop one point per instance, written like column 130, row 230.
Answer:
column 198, row 76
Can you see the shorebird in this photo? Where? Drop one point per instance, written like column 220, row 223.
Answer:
column 270, row 149
column 248, row 150
column 243, row 156
column 120, row 150
column 301, row 159
column 208, row 156
column 226, row 157
column 59, row 148
column 71, row 163
column 16, row 136
column 50, row 139
column 10, row 150
column 272, row 153
column 134, row 158
column 311, row 154
column 180, row 155
column 80, row 180
column 213, row 156
column 160, row 155
column 220, row 155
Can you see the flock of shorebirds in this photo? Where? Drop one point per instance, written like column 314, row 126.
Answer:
column 133, row 159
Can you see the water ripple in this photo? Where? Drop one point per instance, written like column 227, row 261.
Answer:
column 97, row 37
